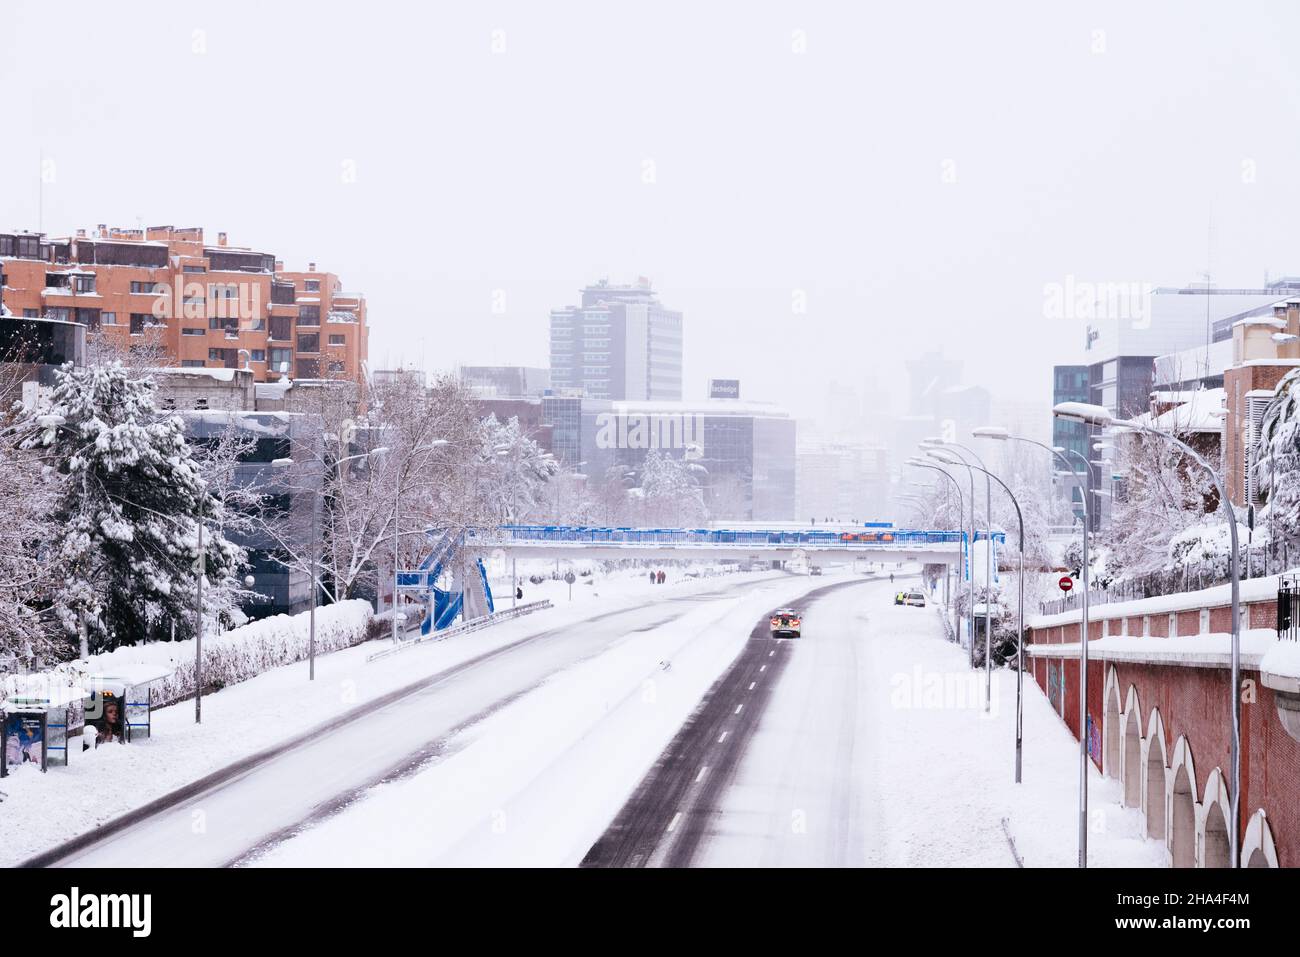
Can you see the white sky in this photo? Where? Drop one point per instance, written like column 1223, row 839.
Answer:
column 775, row 171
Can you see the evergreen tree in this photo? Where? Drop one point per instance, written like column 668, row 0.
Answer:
column 128, row 516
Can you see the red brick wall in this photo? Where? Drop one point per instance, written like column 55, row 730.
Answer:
column 1196, row 702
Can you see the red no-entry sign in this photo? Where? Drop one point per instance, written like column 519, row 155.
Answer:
column 1066, row 583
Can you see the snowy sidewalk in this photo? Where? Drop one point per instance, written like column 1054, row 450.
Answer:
column 946, row 770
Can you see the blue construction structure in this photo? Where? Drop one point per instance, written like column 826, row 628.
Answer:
column 467, row 592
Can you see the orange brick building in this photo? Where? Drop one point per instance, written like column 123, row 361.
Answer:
column 206, row 306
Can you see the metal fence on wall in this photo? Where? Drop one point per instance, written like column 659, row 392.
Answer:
column 1259, row 561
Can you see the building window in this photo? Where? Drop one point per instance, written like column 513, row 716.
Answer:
column 259, row 355
column 191, row 363
column 338, row 340
column 189, row 331
column 193, row 269
column 308, row 368
column 281, row 360
column 282, row 328
column 108, row 318
column 84, row 284
column 309, row 315
column 58, row 313
column 336, row 367
column 57, row 281
column 143, row 287
column 308, row 342
column 31, row 314
column 140, row 321
column 311, row 285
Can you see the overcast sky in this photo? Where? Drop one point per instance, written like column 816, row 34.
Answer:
column 917, row 172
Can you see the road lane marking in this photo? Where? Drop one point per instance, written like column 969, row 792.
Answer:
column 751, row 685
column 700, row 777
column 771, row 653
column 722, row 737
column 738, row 707
column 673, row 823
column 762, row 667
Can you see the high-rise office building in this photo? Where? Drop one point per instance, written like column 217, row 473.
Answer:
column 619, row 344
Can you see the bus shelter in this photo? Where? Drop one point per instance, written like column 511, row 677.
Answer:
column 38, row 722
column 119, row 705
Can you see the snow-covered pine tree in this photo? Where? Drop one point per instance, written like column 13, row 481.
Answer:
column 128, row 515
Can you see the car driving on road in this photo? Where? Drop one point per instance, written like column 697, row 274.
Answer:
column 914, row 598
column 786, row 623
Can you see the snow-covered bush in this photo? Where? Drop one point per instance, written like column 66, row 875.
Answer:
column 246, row 652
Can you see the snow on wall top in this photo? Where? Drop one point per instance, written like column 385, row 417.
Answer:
column 1252, row 590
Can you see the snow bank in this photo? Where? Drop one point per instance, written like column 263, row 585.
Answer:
column 1211, row 649
column 1282, row 659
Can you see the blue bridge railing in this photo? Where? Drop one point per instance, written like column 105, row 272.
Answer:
column 713, row 536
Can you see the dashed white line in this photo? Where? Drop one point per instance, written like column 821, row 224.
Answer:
column 738, row 707
column 751, row 685
column 762, row 667
column 700, row 777
column 771, row 653
column 673, row 823
column 722, row 737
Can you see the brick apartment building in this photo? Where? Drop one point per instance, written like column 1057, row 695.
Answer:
column 206, row 306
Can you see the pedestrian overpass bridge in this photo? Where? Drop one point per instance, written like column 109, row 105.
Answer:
column 878, row 544
column 451, row 580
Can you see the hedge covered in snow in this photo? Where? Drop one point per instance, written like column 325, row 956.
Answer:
column 244, row 652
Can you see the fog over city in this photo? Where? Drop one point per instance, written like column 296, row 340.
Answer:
column 889, row 179
column 584, row 434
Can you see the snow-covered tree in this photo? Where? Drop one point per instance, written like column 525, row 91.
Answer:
column 129, row 511
column 431, row 442
column 513, row 470
column 1276, row 461
column 28, row 564
column 670, row 493
column 1165, row 492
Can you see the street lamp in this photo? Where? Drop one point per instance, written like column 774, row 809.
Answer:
column 1020, row 643
column 958, row 450
column 1004, row 435
column 315, row 578
column 1100, row 416
column 397, row 497
column 970, row 612
column 951, row 458
column 916, row 462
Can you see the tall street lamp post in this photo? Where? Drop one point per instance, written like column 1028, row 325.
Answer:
column 970, row 563
column 397, row 498
column 961, row 508
column 1001, row 434
column 948, row 454
column 1101, row 416
column 1020, row 641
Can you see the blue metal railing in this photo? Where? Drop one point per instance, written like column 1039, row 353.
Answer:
column 710, row 536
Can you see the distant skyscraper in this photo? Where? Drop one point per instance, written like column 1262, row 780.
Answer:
column 620, row 344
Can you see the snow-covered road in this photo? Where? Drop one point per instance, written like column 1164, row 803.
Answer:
column 263, row 806
column 865, row 742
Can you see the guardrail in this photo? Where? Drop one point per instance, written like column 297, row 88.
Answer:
column 464, row 628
